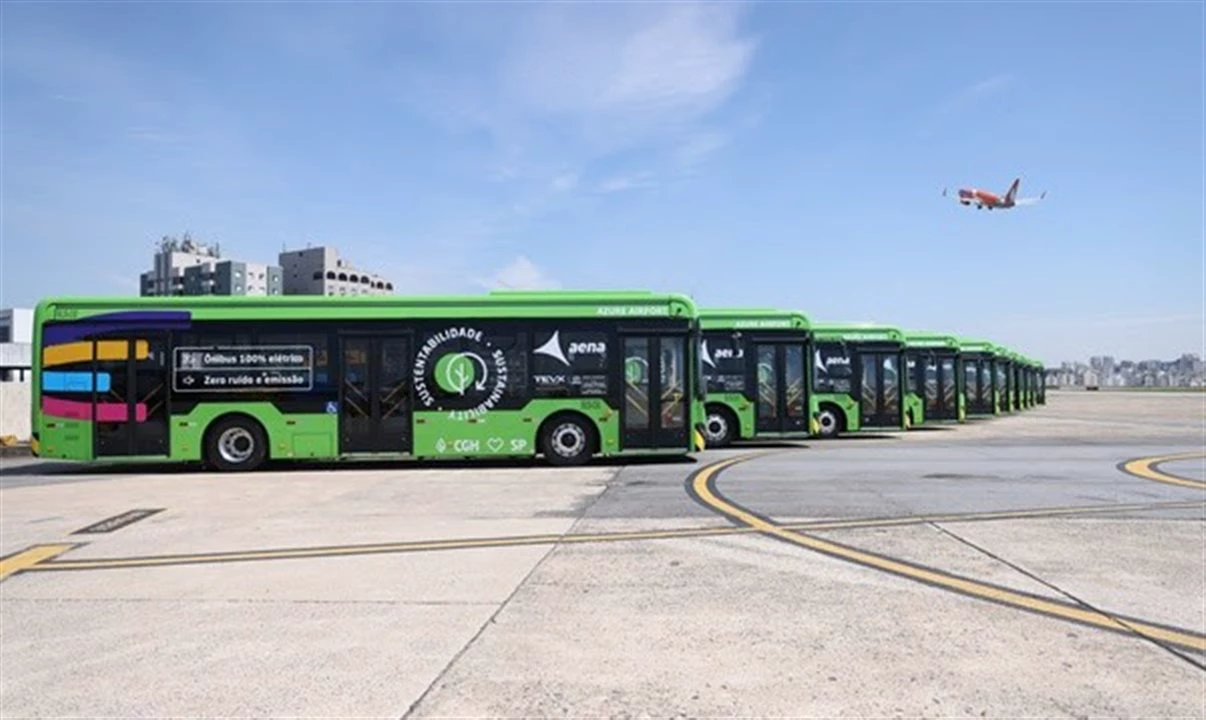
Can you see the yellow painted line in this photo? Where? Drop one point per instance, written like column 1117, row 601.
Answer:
column 30, row 558
column 702, row 487
column 586, row 538
column 1146, row 468
column 626, row 536
column 399, row 547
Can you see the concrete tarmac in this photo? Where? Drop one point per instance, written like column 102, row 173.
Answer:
column 1004, row 567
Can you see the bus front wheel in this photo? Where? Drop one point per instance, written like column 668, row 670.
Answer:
column 718, row 427
column 567, row 440
column 829, row 418
column 235, row 443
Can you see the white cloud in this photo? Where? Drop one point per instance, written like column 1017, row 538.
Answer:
column 973, row 93
column 520, row 274
column 628, row 71
column 621, row 183
column 992, row 84
column 699, row 147
column 573, row 83
column 564, row 183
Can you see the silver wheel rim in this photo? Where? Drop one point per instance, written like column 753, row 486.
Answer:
column 568, row 440
column 236, row 445
column 828, row 421
column 716, row 428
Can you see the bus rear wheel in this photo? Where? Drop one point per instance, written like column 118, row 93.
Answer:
column 235, row 444
column 567, row 440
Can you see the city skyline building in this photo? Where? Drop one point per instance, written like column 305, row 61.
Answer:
column 321, row 271
column 187, row 267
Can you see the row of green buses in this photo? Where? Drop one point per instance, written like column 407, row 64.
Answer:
column 233, row 382
column 774, row 374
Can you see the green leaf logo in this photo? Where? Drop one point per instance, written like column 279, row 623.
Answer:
column 634, row 370
column 456, row 373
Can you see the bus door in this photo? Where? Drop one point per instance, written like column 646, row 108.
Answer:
column 931, row 383
column 782, row 402
column 657, row 396
column 971, row 383
column 1012, row 374
column 375, row 407
column 129, row 383
column 988, row 385
column 880, row 388
column 1006, row 373
column 941, row 387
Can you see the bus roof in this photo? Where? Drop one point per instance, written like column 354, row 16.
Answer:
column 550, row 303
column 977, row 345
column 752, row 318
column 931, row 339
column 865, row 332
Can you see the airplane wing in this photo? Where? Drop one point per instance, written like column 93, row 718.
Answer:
column 1030, row 201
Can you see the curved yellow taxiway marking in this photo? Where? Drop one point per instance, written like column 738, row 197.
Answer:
column 704, row 489
column 1148, row 469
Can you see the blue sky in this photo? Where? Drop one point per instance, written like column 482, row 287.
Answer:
column 774, row 154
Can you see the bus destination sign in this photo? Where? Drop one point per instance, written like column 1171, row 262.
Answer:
column 253, row 368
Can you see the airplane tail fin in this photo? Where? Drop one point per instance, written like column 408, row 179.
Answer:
column 1012, row 193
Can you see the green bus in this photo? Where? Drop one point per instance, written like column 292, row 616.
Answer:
column 934, row 381
column 1007, row 362
column 756, row 366
column 1023, row 381
column 857, row 372
column 1033, row 379
column 235, row 381
column 1040, row 383
column 981, row 380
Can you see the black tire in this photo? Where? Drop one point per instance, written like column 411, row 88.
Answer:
column 719, row 427
column 236, row 443
column 567, row 440
column 830, row 420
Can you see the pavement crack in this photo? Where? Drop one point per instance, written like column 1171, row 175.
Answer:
column 611, row 483
column 1122, row 623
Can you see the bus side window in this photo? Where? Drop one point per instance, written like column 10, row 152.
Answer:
column 320, row 354
column 515, row 348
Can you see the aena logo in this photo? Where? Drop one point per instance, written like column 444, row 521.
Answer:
column 552, row 348
column 587, row 348
column 710, row 356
